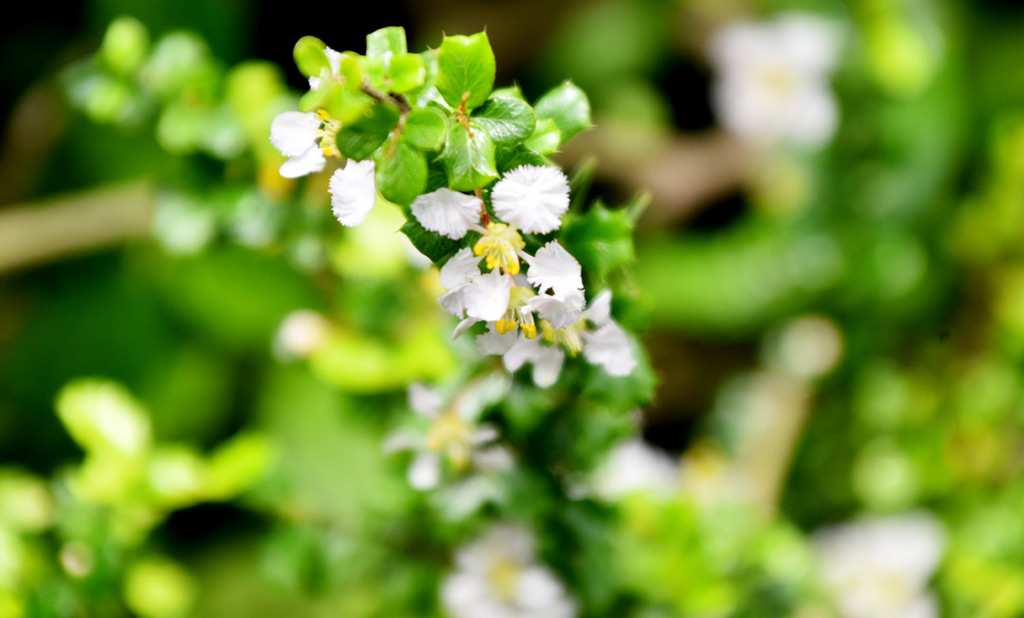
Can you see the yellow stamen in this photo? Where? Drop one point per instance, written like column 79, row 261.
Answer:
column 504, row 577
column 328, row 134
column 570, row 338
column 453, row 436
column 518, row 314
column 498, row 246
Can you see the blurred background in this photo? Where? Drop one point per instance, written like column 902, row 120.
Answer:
column 830, row 276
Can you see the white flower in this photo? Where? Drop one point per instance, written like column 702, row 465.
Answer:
column 497, row 576
column 334, row 62
column 772, row 79
column 879, row 567
column 452, row 431
column 301, row 333
column 447, row 212
column 532, row 198
column 353, row 192
column 487, row 296
column 295, row 135
column 632, row 467
column 555, row 269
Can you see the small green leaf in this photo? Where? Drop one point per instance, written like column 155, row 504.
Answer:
column 385, row 43
column 425, row 93
column 567, row 106
column 310, row 57
column 546, row 137
column 511, row 158
column 469, row 161
column 512, row 92
column 360, row 139
column 601, row 239
column 407, row 73
column 426, row 128
column 430, row 244
column 316, row 99
column 348, row 106
column 402, row 175
column 465, row 64
column 509, row 121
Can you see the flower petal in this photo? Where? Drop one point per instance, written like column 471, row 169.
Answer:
column 447, row 212
column 554, row 268
column 309, row 162
column 547, row 365
column 293, row 133
column 600, row 310
column 424, row 400
column 454, row 303
column 460, row 269
column 425, row 471
column 487, row 296
column 353, row 192
column 493, row 343
column 532, row 198
column 609, row 347
column 560, row 311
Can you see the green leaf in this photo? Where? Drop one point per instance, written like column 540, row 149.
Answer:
column 469, row 161
column 425, row 93
column 509, row 121
column 546, row 137
column 465, row 64
column 402, row 175
column 567, row 106
column 385, row 43
column 348, row 106
column 511, row 158
column 426, row 128
column 359, row 140
column 430, row 244
column 601, row 239
column 316, row 99
column 310, row 57
column 407, row 73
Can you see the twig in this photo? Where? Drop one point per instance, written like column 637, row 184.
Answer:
column 36, row 233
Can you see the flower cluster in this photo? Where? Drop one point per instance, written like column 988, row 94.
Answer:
column 534, row 305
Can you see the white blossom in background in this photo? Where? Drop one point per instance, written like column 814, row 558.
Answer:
column 296, row 135
column 498, row 576
column 879, row 567
column 353, row 192
column 451, row 432
column 636, row 467
column 772, row 79
column 532, row 198
column 301, row 333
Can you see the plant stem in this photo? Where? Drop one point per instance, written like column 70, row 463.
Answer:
column 42, row 232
